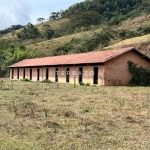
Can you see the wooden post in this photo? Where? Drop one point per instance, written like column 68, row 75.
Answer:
column 74, row 81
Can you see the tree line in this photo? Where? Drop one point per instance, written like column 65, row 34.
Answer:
column 10, row 29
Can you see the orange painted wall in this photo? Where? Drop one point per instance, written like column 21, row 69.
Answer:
column 116, row 70
column 73, row 75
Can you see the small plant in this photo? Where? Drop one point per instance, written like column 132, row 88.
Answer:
column 46, row 113
column 25, row 79
column 46, row 81
column 86, row 110
column 22, row 91
column 81, row 83
column 87, row 84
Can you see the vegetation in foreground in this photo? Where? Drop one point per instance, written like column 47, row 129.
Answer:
column 44, row 116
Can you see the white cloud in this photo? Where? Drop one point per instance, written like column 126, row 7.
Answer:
column 17, row 12
column 20, row 11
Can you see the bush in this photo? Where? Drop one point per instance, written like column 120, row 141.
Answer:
column 25, row 79
column 46, row 81
column 81, row 83
column 144, row 30
column 87, row 84
column 140, row 75
column 125, row 34
column 86, row 110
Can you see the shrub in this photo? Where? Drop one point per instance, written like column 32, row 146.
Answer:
column 144, row 30
column 25, row 79
column 81, row 83
column 125, row 34
column 87, row 84
column 86, row 110
column 140, row 75
column 46, row 81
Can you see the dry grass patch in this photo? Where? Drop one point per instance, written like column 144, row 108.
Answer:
column 59, row 116
column 49, row 45
column 132, row 41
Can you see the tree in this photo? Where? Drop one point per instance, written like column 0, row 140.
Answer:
column 40, row 20
column 29, row 32
column 47, row 32
column 55, row 15
column 2, row 58
column 61, row 12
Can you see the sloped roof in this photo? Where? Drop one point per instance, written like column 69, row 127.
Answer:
column 82, row 58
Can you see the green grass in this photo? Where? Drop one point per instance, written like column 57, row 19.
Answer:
column 44, row 116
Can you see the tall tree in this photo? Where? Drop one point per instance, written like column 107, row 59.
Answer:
column 29, row 32
column 47, row 31
column 40, row 20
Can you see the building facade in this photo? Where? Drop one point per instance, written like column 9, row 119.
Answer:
column 107, row 67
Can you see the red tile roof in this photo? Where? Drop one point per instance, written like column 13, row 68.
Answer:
column 82, row 58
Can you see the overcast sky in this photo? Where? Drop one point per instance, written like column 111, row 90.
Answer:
column 14, row 12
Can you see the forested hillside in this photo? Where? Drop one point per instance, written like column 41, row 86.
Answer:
column 86, row 26
column 110, row 11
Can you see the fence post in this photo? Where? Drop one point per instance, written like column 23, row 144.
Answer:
column 74, row 81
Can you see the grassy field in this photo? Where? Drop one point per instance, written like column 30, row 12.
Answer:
column 42, row 116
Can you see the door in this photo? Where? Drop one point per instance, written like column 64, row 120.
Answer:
column 38, row 74
column 47, row 73
column 30, row 74
column 17, row 73
column 80, row 74
column 24, row 73
column 12, row 74
column 56, row 74
column 67, row 74
column 95, row 76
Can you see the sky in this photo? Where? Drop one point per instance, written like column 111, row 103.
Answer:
column 13, row 12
